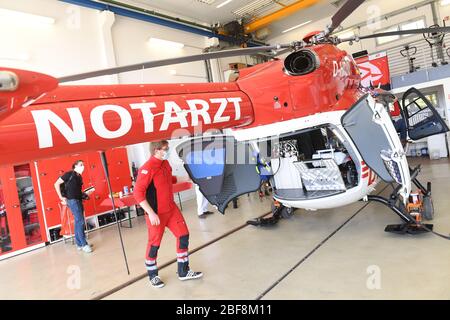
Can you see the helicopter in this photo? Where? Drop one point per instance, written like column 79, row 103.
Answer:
column 325, row 140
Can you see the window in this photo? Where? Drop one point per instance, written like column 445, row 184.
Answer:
column 383, row 40
column 345, row 34
column 433, row 97
column 407, row 25
column 417, row 24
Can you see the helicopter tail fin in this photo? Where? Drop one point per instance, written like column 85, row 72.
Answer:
column 20, row 88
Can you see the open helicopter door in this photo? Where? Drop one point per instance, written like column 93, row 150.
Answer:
column 370, row 127
column 422, row 119
column 222, row 167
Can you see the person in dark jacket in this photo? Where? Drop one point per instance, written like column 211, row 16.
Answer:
column 73, row 198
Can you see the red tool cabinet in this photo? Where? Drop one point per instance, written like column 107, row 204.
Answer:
column 21, row 221
column 29, row 205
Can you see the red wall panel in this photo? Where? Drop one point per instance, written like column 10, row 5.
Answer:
column 94, row 175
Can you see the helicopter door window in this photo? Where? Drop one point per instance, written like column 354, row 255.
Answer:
column 421, row 117
column 222, row 168
column 207, row 166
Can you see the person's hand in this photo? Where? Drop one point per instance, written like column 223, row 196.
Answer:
column 154, row 219
column 64, row 201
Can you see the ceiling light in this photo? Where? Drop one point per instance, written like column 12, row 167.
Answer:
column 297, row 26
column 207, row 1
column 173, row 72
column 24, row 18
column 165, row 43
column 345, row 34
column 223, row 4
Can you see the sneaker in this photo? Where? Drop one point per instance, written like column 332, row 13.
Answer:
column 191, row 275
column 81, row 248
column 156, row 282
column 87, row 248
column 208, row 212
column 202, row 216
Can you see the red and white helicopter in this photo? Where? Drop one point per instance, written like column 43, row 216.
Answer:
column 328, row 140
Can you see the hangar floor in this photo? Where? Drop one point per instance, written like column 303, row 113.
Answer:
column 322, row 255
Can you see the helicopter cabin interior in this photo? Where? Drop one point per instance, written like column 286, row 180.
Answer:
column 311, row 164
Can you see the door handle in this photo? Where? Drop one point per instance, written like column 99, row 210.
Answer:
column 43, row 174
column 16, row 206
column 49, row 209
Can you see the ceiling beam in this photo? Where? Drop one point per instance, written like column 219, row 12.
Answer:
column 141, row 14
column 278, row 15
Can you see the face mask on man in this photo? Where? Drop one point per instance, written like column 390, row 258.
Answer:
column 166, row 155
column 79, row 169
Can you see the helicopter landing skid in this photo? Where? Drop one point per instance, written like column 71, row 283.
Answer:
column 410, row 226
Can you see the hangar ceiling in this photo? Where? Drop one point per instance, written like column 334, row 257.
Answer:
column 207, row 11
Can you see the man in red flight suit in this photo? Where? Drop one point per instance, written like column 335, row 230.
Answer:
column 153, row 192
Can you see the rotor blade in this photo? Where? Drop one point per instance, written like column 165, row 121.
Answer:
column 343, row 12
column 405, row 32
column 166, row 62
column 279, row 53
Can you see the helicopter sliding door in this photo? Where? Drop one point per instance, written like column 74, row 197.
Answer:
column 421, row 117
column 222, row 167
column 372, row 131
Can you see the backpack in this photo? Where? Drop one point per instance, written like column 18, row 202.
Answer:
column 62, row 186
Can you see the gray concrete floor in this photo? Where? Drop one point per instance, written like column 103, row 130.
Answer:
column 359, row 261
column 330, row 254
column 53, row 272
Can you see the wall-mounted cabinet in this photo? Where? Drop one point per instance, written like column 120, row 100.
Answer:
column 30, row 212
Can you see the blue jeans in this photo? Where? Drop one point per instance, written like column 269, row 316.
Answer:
column 76, row 206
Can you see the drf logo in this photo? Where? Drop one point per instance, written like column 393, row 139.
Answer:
column 369, row 73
